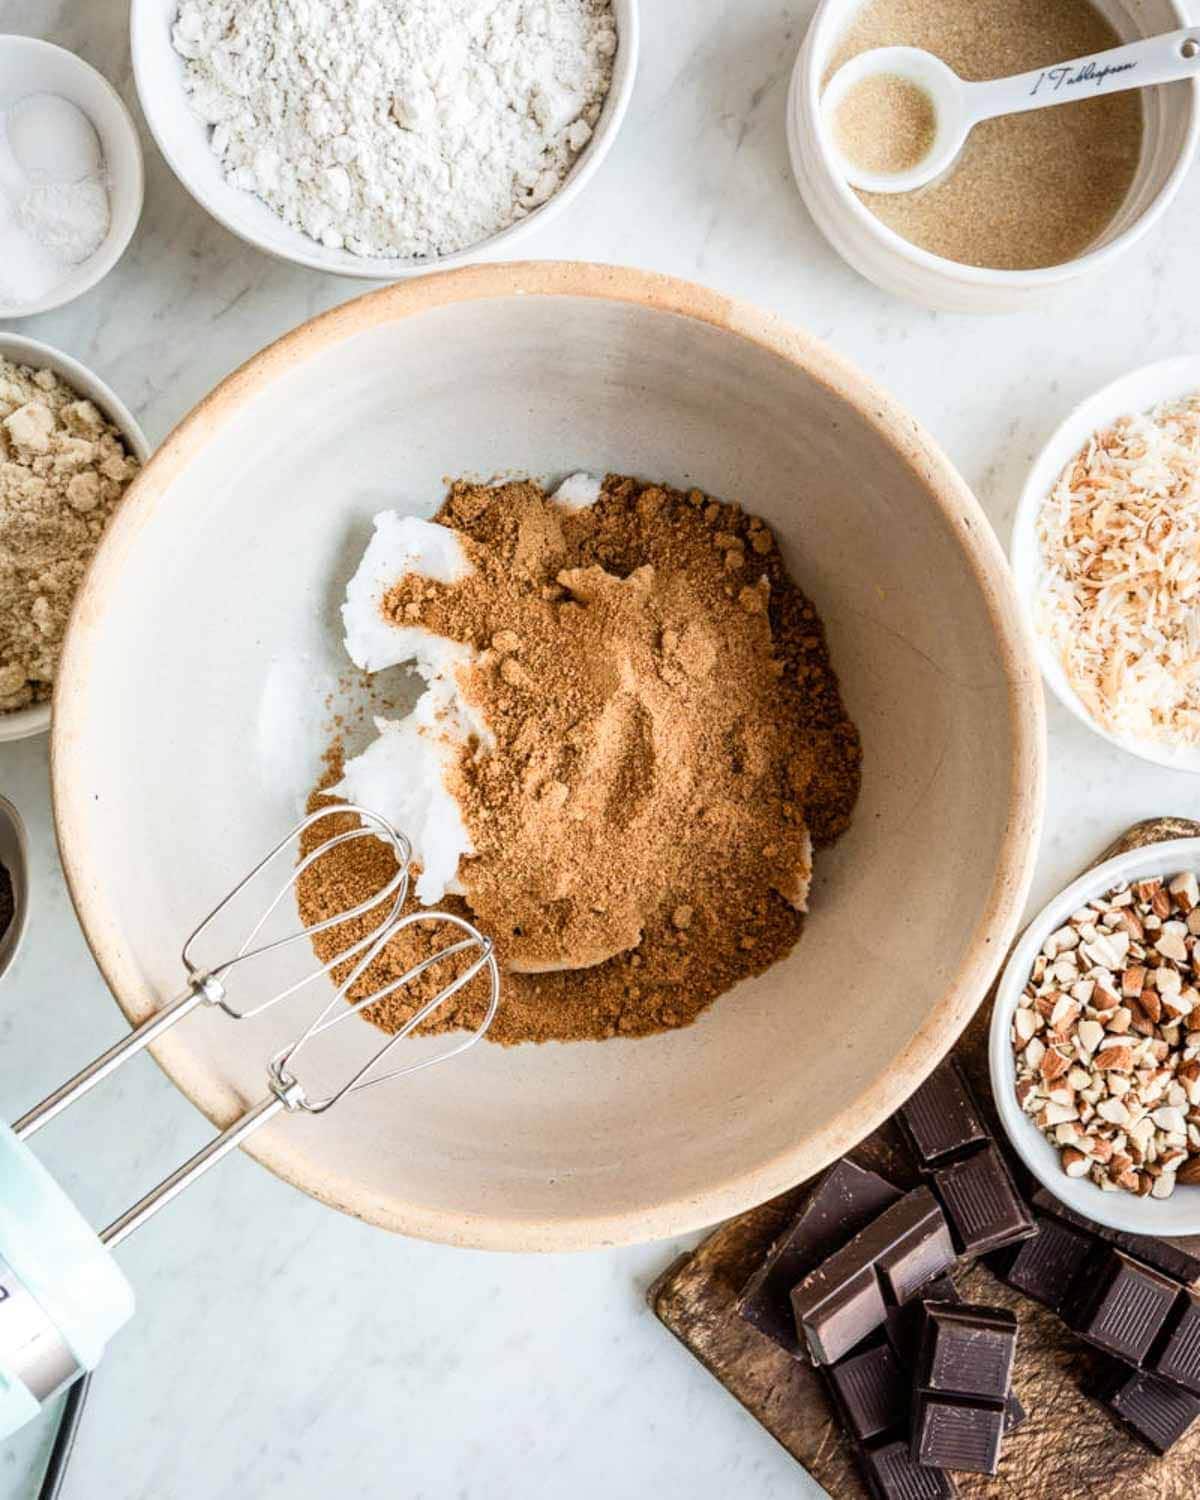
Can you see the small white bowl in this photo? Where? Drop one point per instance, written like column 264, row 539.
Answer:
column 30, row 66
column 1177, row 1215
column 184, row 140
column 25, row 722
column 14, row 856
column 1136, row 392
column 1171, row 115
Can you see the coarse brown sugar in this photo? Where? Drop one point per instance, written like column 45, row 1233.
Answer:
column 666, row 740
column 63, row 470
column 1028, row 190
column 885, row 124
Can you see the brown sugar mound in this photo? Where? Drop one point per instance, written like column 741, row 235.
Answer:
column 668, row 737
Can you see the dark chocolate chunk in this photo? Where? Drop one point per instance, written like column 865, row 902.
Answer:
column 837, row 1307
column 1046, row 1266
column 962, row 1405
column 1176, row 1356
column 1121, row 1306
column 1046, row 1203
column 891, row 1475
column 919, row 1253
column 846, row 1297
column 953, row 1432
column 872, row 1392
column 1178, row 1264
column 941, row 1119
column 904, row 1324
column 1161, row 1255
column 1150, row 1409
column 844, row 1201
column 967, row 1351
column 981, row 1202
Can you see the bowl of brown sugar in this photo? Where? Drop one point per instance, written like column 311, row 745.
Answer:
column 69, row 448
column 752, row 752
column 1034, row 200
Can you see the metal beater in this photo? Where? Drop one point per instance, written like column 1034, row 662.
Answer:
column 61, row 1294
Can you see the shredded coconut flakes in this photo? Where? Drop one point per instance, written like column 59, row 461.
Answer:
column 1120, row 598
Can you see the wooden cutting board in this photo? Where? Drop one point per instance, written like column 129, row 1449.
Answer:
column 1067, row 1449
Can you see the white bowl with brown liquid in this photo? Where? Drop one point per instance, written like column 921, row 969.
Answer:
column 190, row 722
column 1170, row 128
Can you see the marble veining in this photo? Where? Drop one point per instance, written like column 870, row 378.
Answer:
column 285, row 1351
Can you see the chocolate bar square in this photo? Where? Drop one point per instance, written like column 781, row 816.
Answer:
column 981, row 1202
column 1046, row 1203
column 1152, row 1410
column 952, row 1432
column 922, row 1252
column 846, row 1297
column 967, row 1351
column 871, row 1389
column 1046, row 1266
column 891, row 1475
column 843, row 1202
column 905, row 1324
column 1177, row 1355
column 941, row 1119
column 1170, row 1260
column 1161, row 1255
column 837, row 1307
column 1122, row 1306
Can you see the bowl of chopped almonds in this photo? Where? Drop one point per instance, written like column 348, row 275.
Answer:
column 1095, row 1065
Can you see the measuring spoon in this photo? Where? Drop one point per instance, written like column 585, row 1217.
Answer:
column 959, row 106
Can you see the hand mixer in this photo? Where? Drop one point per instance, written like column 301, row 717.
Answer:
column 62, row 1295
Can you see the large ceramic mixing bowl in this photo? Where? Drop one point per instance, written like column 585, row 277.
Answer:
column 189, row 725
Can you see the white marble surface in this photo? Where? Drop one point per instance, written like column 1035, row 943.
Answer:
column 280, row 1349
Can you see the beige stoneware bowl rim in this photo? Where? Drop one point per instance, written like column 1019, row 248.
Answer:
column 982, row 553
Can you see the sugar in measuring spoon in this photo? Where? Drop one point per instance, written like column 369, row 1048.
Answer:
column 942, row 108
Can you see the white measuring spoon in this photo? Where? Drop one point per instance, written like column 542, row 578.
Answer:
column 959, row 106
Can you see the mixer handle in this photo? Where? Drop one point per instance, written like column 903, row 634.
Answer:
column 202, row 989
column 196, row 1166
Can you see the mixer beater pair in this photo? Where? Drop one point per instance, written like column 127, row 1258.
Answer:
column 62, row 1295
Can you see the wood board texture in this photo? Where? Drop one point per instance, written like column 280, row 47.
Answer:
column 1067, row 1449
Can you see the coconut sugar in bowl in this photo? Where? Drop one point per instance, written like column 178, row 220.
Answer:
column 1034, row 201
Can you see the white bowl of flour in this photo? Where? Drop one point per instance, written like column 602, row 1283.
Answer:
column 64, row 223
column 388, row 139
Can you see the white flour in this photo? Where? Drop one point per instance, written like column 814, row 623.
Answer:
column 405, row 128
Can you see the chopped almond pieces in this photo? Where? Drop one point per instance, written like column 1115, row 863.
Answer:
column 1107, row 1065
